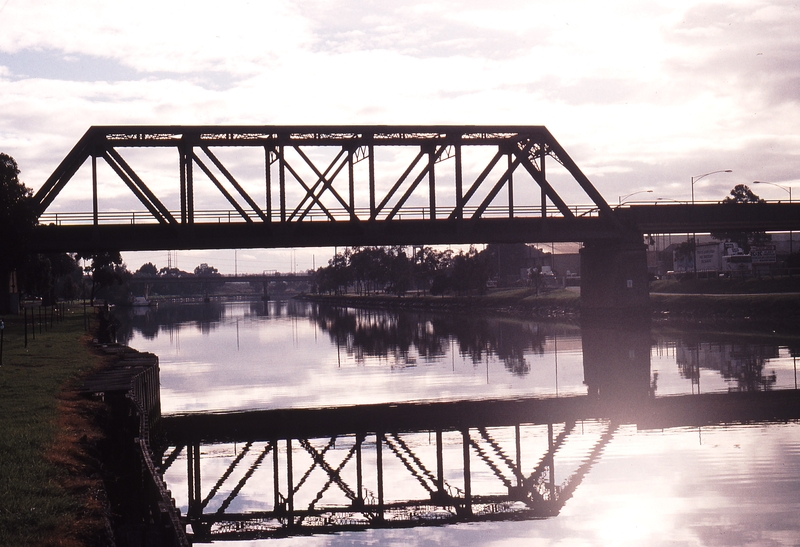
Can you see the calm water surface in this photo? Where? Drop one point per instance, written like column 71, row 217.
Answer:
column 726, row 484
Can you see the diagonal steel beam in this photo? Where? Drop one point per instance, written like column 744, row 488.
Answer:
column 500, row 453
column 526, row 162
column 407, row 464
column 334, row 476
column 482, row 454
column 172, row 457
column 134, row 188
column 414, row 458
column 578, row 175
column 397, row 184
column 427, row 169
column 221, row 188
column 308, row 472
column 235, row 184
column 141, row 185
column 238, row 488
column 327, row 184
column 309, row 193
column 226, row 474
column 478, row 181
column 65, row 170
column 500, row 183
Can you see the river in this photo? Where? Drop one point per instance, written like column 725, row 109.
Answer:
column 613, row 474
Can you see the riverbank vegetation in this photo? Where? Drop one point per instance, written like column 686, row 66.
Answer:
column 50, row 494
column 425, row 270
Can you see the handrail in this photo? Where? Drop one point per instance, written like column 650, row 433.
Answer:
column 231, row 216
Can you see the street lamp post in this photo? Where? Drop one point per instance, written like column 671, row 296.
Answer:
column 786, row 189
column 622, row 198
column 694, row 235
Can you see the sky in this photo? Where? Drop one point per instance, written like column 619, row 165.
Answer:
column 642, row 95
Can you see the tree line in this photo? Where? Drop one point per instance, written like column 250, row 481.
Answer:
column 395, row 270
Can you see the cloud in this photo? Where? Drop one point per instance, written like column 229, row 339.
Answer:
column 638, row 93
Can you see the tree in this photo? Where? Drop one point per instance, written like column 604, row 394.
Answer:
column 741, row 194
column 104, row 270
column 147, row 270
column 17, row 219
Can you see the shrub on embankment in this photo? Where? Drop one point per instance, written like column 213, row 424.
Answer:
column 47, row 494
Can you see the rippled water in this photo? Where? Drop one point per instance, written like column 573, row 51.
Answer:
column 722, row 484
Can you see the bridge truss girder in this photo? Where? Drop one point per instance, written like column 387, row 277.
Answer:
column 300, row 187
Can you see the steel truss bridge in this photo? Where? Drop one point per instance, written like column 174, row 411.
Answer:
column 404, row 465
column 349, row 185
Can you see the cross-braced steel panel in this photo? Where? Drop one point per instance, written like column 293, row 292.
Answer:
column 438, row 176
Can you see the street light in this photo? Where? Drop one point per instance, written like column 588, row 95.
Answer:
column 698, row 177
column 694, row 235
column 622, row 198
column 787, row 189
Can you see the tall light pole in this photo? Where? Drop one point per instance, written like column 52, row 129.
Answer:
column 786, row 189
column 698, row 177
column 623, row 198
column 694, row 235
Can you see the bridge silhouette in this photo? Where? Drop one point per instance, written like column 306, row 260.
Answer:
column 367, row 185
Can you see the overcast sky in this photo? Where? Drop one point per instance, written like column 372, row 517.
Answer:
column 642, row 95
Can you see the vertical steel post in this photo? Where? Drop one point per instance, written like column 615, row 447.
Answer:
column 467, row 474
column 276, row 488
column 519, row 455
column 359, row 476
column 95, row 220
column 282, row 181
column 544, row 179
column 439, row 463
column 510, row 186
column 459, row 185
column 432, row 180
column 352, row 186
column 190, row 477
column 379, row 465
column 268, row 183
column 289, row 482
column 189, row 185
column 551, row 462
column 182, row 162
column 371, row 163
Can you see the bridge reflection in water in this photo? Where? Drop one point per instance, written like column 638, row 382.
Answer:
column 278, row 473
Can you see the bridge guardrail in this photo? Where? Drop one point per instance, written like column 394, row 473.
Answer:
column 225, row 216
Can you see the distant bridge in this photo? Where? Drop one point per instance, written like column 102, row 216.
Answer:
column 365, row 185
column 237, row 278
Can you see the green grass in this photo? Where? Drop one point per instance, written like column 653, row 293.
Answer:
column 35, row 506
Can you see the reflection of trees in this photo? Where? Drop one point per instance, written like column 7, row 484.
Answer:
column 149, row 321
column 374, row 333
column 741, row 363
column 383, row 334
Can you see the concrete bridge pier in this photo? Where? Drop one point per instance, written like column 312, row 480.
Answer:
column 614, row 280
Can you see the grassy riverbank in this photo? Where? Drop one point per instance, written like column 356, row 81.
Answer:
column 47, row 494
